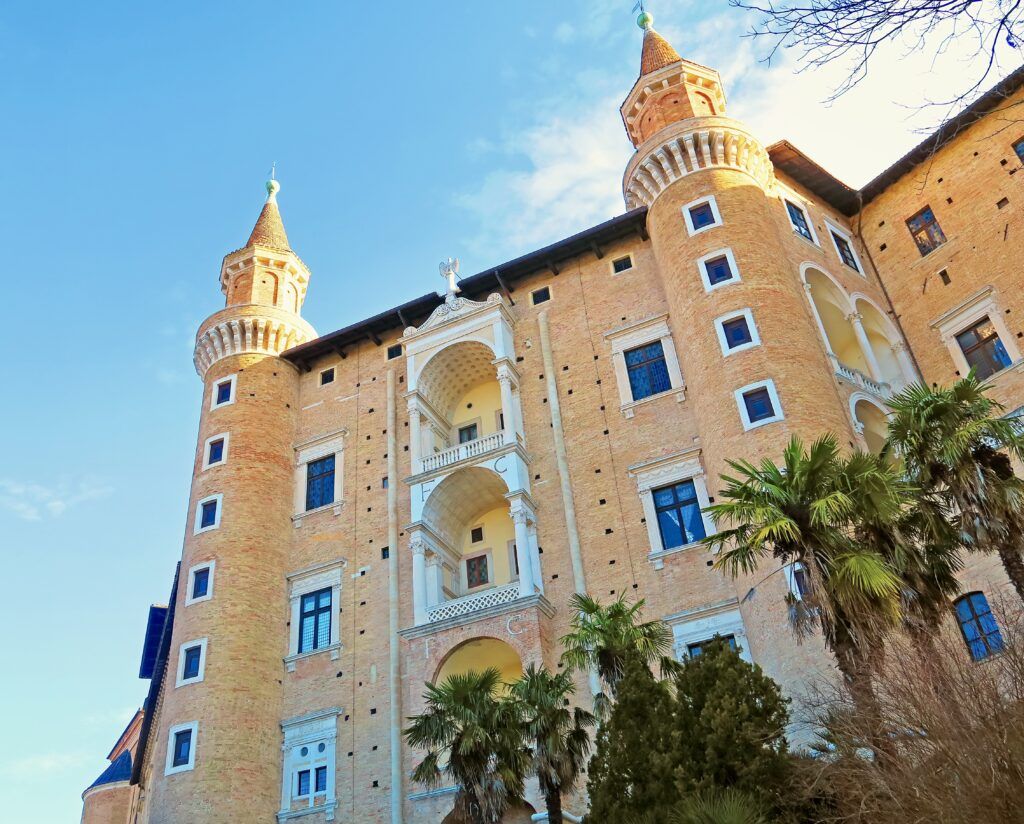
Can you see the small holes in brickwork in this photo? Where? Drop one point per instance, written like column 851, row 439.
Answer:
column 369, row 411
column 367, row 461
column 569, row 392
column 608, row 531
column 711, row 563
column 944, row 277
column 940, row 180
column 611, row 562
column 519, row 358
column 362, row 603
column 605, row 431
column 1003, row 203
column 544, row 400
column 602, row 501
column 362, row 632
column 598, row 381
column 376, row 783
column 540, row 377
column 375, row 748
column 881, row 223
column 554, row 577
column 565, row 368
column 882, row 248
column 596, row 357
column 597, row 471
column 1003, row 162
column 536, row 477
column 949, row 200
column 346, row 718
column 373, row 710
column 339, row 675
column 602, row 407
column 611, row 592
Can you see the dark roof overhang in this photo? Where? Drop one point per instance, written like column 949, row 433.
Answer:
column 789, row 160
column 499, row 278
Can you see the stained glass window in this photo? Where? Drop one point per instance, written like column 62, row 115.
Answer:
column 320, row 483
column 648, row 374
column 476, row 571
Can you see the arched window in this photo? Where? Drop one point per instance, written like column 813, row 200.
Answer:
column 978, row 625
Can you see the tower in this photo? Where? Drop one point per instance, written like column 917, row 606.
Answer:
column 217, row 744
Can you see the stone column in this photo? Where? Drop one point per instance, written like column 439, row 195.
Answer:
column 435, row 580
column 419, row 580
column 508, row 403
column 899, row 349
column 520, row 518
column 415, row 438
column 856, row 321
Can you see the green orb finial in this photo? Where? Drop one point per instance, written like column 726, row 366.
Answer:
column 645, row 20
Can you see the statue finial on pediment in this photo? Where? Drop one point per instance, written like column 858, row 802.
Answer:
column 449, row 270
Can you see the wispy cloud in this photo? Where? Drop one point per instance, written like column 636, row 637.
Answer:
column 34, row 502
column 45, row 764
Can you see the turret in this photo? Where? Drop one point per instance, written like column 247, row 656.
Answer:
column 216, row 747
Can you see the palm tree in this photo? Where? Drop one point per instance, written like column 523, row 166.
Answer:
column 955, row 444
column 602, row 637
column 826, row 512
column 558, row 735
column 474, row 738
column 725, row 807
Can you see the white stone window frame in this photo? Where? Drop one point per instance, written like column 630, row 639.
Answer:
column 551, row 294
column 702, row 267
column 478, row 421
column 801, row 204
column 224, row 436
column 320, row 377
column 710, row 200
column 665, row 471
column 834, row 230
column 192, row 570
column 216, row 386
column 181, row 680
column 483, row 552
column 310, row 730
column 983, row 303
column 790, row 570
column 304, row 582
column 513, row 575
column 632, row 264
column 632, row 336
column 323, row 446
column 197, row 528
column 755, row 337
column 700, row 625
column 773, row 394
column 169, row 768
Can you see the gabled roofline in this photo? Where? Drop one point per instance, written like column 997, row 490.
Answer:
column 500, row 278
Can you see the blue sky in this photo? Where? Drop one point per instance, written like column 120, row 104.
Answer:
column 135, row 144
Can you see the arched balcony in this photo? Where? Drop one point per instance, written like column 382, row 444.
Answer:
column 474, row 546
column 871, row 421
column 864, row 346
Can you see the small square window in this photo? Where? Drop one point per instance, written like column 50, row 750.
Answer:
column 208, row 514
column 702, row 216
column 182, row 748
column 476, row 571
column 200, row 582
column 321, row 779
column 476, row 534
column 758, row 404
column 719, row 270
column 542, row 295
column 385, row 553
column 395, row 351
column 327, row 376
column 925, row 230
column 468, row 433
column 215, row 452
column 384, row 483
column 223, row 392
column 622, row 264
column 737, row 332
column 302, row 784
column 190, row 670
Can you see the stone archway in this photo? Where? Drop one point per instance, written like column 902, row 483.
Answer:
column 477, row 654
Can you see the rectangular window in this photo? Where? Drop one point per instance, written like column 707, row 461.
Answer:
column 200, row 583
column 718, row 269
column 315, row 620
column 648, row 374
column 321, row 779
column 208, row 514
column 320, row 483
column 978, row 625
column 801, row 586
column 798, row 220
column 542, row 295
column 395, row 351
column 468, row 433
column 925, row 230
column 982, row 348
column 702, row 216
column 193, row 655
column 215, row 453
column 476, row 571
column 693, row 650
column 302, row 784
column 327, row 376
column 737, row 332
column 476, row 534
column 845, row 251
column 1018, row 147
column 224, row 392
column 622, row 264
column 758, row 404
column 679, row 519
column 182, row 744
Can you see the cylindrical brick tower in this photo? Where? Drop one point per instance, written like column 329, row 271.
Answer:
column 217, row 748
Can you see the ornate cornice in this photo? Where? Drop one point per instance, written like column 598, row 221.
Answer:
column 691, row 146
column 247, row 329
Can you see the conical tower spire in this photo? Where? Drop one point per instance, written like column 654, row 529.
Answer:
column 269, row 228
column 657, row 52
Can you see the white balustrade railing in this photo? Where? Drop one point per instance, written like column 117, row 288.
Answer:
column 463, row 452
column 858, row 378
column 473, row 603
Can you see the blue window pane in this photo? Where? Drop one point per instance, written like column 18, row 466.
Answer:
column 1018, row 147
column 191, row 668
column 736, row 332
column 306, row 628
column 664, row 497
column 718, row 270
column 702, row 215
column 671, row 529
column 320, row 483
column 679, row 520
column 303, row 783
column 216, row 452
column 315, row 620
column 648, row 373
column 223, row 392
column 963, row 609
column 200, row 582
column 978, row 625
column 468, row 433
column 182, row 747
column 799, row 220
column 321, row 779
column 693, row 522
column 759, row 405
column 209, row 514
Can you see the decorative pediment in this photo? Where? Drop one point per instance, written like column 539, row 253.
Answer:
column 453, row 308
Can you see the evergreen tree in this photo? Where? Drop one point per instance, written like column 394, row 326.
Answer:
column 730, row 721
column 631, row 772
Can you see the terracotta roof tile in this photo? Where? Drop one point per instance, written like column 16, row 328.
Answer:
column 657, row 53
column 269, row 229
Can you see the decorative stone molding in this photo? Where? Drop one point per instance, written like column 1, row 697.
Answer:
column 248, row 329
column 453, row 308
column 691, row 146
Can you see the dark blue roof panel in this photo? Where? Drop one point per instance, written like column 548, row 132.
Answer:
column 120, row 769
column 154, row 627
